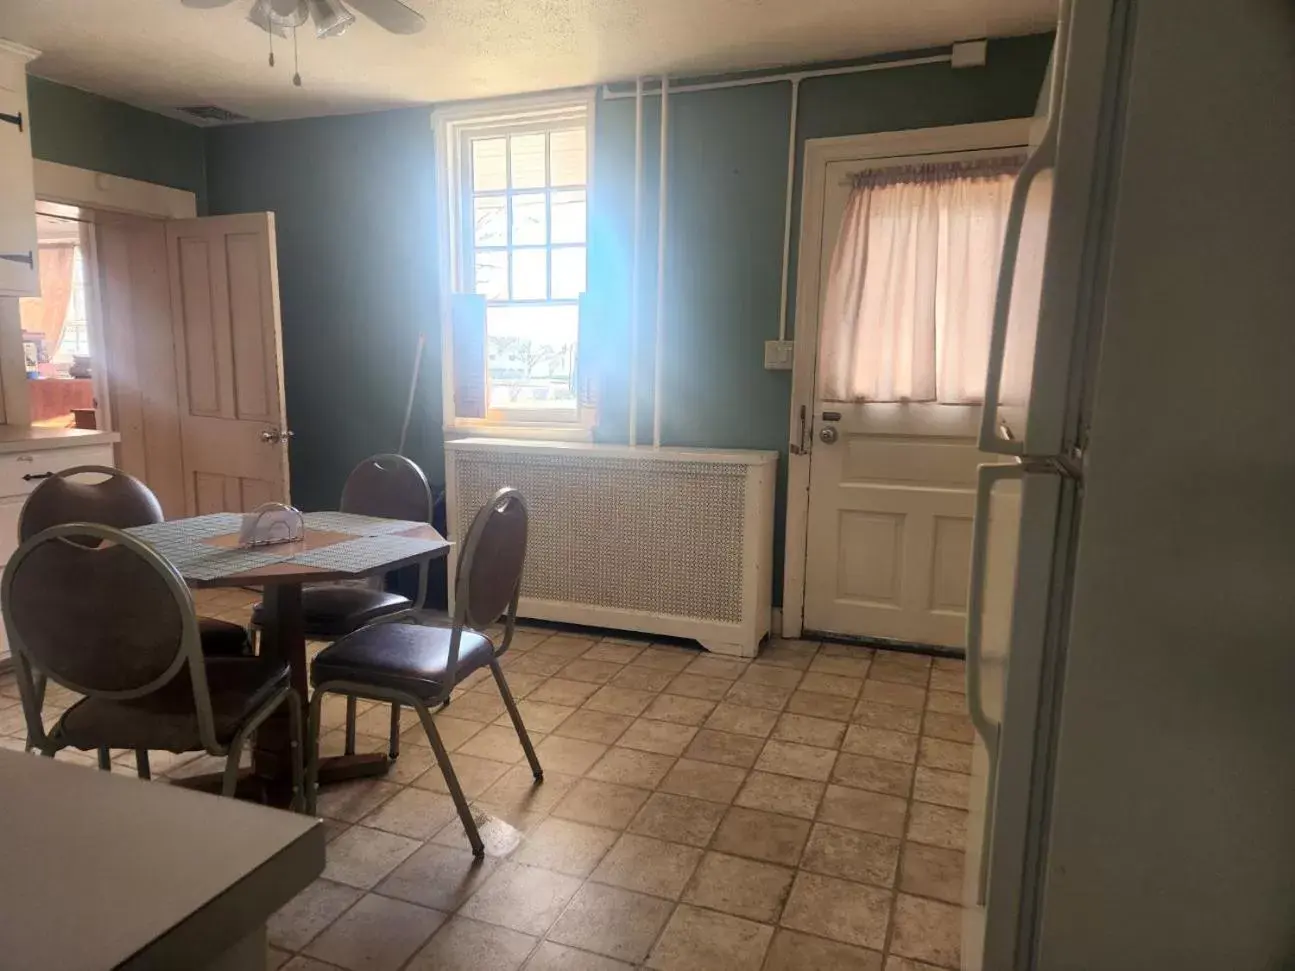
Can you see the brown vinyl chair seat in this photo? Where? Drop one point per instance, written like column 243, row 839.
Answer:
column 167, row 719
column 403, row 657
column 335, row 610
column 223, row 638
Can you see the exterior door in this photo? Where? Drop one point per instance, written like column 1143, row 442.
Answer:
column 891, row 497
column 228, row 361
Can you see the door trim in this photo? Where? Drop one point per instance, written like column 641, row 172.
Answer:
column 56, row 182
column 819, row 152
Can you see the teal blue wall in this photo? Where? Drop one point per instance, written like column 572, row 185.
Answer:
column 727, row 165
column 354, row 199
column 354, row 202
column 92, row 132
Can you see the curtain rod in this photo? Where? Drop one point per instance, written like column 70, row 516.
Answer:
column 610, row 95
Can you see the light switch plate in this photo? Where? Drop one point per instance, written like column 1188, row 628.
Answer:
column 778, row 355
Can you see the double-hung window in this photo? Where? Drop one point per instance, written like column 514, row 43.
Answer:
column 517, row 203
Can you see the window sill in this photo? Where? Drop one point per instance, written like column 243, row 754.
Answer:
column 528, row 432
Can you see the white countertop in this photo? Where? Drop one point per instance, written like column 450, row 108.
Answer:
column 29, row 438
column 642, row 453
column 102, row 870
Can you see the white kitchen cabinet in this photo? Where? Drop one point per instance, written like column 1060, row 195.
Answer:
column 18, row 260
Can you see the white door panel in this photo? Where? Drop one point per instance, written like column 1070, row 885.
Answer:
column 889, row 532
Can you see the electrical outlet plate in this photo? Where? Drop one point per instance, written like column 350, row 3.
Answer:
column 778, row 355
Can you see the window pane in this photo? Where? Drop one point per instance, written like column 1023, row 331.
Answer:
column 567, row 157
column 489, row 166
column 569, row 216
column 528, row 161
column 492, row 275
column 530, row 357
column 490, row 224
column 568, row 272
column 529, row 219
column 529, row 269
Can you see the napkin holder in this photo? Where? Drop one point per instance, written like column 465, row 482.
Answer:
column 271, row 523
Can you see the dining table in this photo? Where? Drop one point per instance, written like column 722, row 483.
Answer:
column 333, row 546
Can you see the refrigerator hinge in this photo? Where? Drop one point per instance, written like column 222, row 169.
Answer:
column 1071, row 466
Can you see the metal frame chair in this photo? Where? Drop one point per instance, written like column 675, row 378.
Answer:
column 31, row 662
column 355, row 500
column 121, row 501
column 479, row 600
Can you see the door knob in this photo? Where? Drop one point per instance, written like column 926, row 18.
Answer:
column 828, row 435
column 272, row 436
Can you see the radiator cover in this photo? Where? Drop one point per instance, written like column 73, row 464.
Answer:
column 665, row 541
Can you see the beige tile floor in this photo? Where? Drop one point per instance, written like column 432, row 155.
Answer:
column 805, row 811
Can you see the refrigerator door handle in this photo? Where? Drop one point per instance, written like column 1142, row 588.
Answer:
column 986, row 478
column 1044, row 156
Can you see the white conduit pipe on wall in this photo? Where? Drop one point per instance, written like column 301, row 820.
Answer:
column 636, row 258
column 794, row 78
column 663, row 205
column 786, row 216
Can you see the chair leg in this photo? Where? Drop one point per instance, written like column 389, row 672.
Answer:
column 312, row 750
column 350, row 725
column 393, row 745
column 141, row 764
column 105, row 758
column 516, row 716
column 451, row 780
column 229, row 783
column 39, row 681
column 295, row 730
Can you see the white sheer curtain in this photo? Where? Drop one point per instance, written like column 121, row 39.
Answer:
column 910, row 292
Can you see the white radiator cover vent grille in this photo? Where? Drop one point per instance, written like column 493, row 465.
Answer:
column 608, row 532
column 662, row 541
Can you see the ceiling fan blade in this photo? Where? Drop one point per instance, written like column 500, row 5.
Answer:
column 391, row 15
column 206, row 4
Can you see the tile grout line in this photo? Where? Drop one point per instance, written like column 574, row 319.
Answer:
column 903, row 836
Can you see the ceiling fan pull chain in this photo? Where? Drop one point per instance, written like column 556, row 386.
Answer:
column 270, row 33
column 296, row 67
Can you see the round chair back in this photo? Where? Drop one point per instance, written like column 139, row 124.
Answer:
column 489, row 575
column 74, row 496
column 390, row 486
column 98, row 611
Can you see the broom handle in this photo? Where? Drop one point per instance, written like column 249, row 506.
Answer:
column 413, row 388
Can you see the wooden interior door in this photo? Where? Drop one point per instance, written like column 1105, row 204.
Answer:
column 228, row 361
column 135, row 300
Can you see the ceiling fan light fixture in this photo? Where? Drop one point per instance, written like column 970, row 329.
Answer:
column 331, row 18
column 262, row 15
column 288, row 13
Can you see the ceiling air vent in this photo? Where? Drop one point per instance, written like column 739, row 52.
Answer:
column 212, row 114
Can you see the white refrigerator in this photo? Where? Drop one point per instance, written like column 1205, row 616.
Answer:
column 1131, row 622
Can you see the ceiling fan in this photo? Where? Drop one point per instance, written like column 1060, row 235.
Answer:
column 331, row 18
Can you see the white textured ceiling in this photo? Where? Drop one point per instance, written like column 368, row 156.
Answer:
column 157, row 53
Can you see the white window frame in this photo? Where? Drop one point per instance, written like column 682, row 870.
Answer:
column 454, row 126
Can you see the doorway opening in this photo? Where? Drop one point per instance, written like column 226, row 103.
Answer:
column 62, row 346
